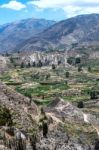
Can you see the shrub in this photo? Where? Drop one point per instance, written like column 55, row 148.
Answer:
column 5, row 116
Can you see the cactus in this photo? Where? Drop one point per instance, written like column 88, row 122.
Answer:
column 33, row 140
column 44, row 122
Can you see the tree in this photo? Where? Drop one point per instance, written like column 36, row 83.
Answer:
column 93, row 94
column 70, row 61
column 48, row 76
column 39, row 64
column 89, row 69
column 46, row 62
column 59, row 62
column 53, row 67
column 80, row 104
column 11, row 60
column 28, row 65
column 22, row 65
column 67, row 74
column 15, row 65
column 34, row 64
column 78, row 60
column 79, row 68
column 74, row 45
column 66, row 82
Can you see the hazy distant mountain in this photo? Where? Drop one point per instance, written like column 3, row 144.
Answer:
column 83, row 29
column 13, row 34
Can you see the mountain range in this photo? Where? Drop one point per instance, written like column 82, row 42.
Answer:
column 33, row 34
column 80, row 30
column 13, row 34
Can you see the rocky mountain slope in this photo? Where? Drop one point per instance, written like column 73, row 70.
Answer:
column 15, row 33
column 67, row 128
column 80, row 30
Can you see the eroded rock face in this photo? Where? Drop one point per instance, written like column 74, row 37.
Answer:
column 56, row 140
column 46, row 58
column 3, row 64
column 66, row 111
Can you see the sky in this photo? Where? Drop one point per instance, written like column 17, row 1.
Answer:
column 14, row 10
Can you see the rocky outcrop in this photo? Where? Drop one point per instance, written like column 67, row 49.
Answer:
column 45, row 58
column 4, row 63
column 65, row 111
column 60, row 140
column 65, row 123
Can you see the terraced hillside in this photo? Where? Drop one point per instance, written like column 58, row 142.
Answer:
column 68, row 93
column 44, row 84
